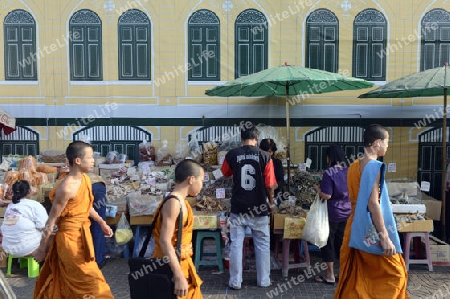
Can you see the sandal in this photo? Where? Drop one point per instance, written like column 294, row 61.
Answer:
column 323, row 280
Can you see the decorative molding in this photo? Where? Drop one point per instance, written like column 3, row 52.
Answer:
column 251, row 16
column 85, row 16
column 133, row 16
column 19, row 16
column 437, row 15
column 370, row 15
column 322, row 16
column 204, row 16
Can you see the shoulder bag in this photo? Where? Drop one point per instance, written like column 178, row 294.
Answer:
column 153, row 277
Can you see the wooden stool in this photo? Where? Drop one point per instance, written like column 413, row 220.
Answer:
column 199, row 249
column 285, row 257
column 25, row 261
column 407, row 248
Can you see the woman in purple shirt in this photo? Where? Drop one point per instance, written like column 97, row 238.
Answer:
column 333, row 188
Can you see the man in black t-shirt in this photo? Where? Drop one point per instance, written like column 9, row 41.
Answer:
column 251, row 201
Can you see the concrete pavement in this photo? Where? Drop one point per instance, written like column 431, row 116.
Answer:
column 422, row 283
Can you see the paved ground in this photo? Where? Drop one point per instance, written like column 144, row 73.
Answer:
column 422, row 283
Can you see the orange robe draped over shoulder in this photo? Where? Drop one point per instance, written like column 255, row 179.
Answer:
column 187, row 266
column 364, row 275
column 70, row 271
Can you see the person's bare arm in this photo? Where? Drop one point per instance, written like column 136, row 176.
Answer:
column 63, row 194
column 104, row 226
column 169, row 213
column 378, row 221
column 324, row 195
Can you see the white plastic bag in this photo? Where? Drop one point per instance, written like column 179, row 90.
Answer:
column 317, row 229
column 123, row 232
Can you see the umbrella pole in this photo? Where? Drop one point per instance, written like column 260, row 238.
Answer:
column 288, row 143
column 444, row 158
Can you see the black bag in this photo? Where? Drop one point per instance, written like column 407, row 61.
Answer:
column 152, row 277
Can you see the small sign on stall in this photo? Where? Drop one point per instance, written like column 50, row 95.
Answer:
column 392, row 167
column 206, row 178
column 217, row 174
column 220, row 193
column 425, row 186
column 302, row 167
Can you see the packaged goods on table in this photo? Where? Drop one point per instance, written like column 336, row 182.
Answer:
column 28, row 163
column 147, row 152
column 163, row 156
column 52, row 156
column 210, row 150
column 304, row 184
column 144, row 204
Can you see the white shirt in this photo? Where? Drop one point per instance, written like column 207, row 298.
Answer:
column 20, row 227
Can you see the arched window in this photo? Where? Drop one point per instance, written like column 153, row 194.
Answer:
column 20, row 46
column 204, row 46
column 369, row 45
column 85, row 46
column 251, row 34
column 322, row 38
column 435, row 39
column 134, row 46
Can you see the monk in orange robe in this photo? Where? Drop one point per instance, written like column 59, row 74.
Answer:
column 364, row 275
column 189, row 181
column 70, row 270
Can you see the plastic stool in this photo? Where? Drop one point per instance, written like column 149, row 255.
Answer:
column 199, row 250
column 406, row 250
column 25, row 261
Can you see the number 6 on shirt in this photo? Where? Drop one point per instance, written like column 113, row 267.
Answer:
column 248, row 182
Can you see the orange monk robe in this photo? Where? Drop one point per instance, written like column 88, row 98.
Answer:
column 70, row 270
column 364, row 275
column 187, row 266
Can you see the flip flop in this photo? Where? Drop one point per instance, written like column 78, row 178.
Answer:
column 323, row 280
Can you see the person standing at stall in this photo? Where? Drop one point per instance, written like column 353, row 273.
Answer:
column 270, row 146
column 333, row 188
column 251, row 200
column 70, row 270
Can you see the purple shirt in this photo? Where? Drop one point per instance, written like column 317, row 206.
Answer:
column 334, row 183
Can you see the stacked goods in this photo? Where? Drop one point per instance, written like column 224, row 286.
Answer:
column 223, row 182
column 29, row 163
column 51, row 156
column 163, row 157
column 40, row 178
column 146, row 152
column 209, row 204
column 46, row 169
column 306, row 184
column 287, row 208
column 210, row 150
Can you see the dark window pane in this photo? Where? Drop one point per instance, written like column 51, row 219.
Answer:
column 361, row 60
column 195, row 62
column 12, row 34
column 142, row 61
column 258, row 34
column 243, row 60
column 428, row 56
column 362, row 34
column 27, row 34
column 429, row 34
column 314, row 33
column 426, row 157
column 13, row 59
column 330, row 33
column 314, row 56
column 377, row 61
column 27, row 68
column 244, row 34
column 127, row 35
column 127, row 60
column 444, row 53
column 78, row 61
column 19, row 149
column 94, row 61
column 329, row 58
column 7, row 149
column 211, row 35
column 78, row 34
column 141, row 34
column 377, row 34
column 258, row 58
column 93, row 34
column 196, row 34
column 211, row 65
column 31, row 150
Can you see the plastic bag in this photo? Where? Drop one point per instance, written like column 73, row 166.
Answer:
column 123, row 232
column 163, row 157
column 317, row 229
column 181, row 151
column 195, row 150
column 111, row 157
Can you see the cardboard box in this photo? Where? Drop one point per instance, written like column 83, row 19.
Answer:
column 416, row 226
column 205, row 220
column 440, row 252
column 434, row 207
column 278, row 221
column 113, row 221
column 293, row 227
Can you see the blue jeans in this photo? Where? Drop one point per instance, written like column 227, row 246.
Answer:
column 261, row 240
column 98, row 236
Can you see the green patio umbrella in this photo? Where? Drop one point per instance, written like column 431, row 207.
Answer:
column 432, row 82
column 287, row 80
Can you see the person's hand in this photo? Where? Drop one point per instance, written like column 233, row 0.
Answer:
column 39, row 254
column 107, row 230
column 271, row 208
column 387, row 245
column 181, row 286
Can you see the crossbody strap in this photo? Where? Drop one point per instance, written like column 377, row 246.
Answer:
column 152, row 226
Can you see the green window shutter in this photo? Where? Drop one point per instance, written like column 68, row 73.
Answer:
column 204, row 46
column 85, row 46
column 20, row 46
column 369, row 45
column 134, row 45
column 322, row 48
column 435, row 43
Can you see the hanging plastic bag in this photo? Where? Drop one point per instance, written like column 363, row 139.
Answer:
column 195, row 151
column 317, row 229
column 163, row 157
column 123, row 232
